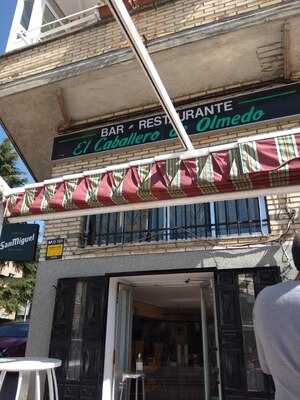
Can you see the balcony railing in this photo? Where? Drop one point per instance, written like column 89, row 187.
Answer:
column 74, row 22
column 198, row 221
column 60, row 26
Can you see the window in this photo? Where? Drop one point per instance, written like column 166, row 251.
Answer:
column 254, row 375
column 26, row 14
column 75, row 349
column 195, row 221
column 48, row 16
column 238, row 217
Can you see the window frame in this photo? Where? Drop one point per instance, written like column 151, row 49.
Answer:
column 48, row 5
column 29, row 17
column 99, row 233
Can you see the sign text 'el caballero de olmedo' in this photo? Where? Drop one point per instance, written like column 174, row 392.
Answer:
column 18, row 242
column 232, row 112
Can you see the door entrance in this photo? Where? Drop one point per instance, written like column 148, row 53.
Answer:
column 169, row 320
column 236, row 290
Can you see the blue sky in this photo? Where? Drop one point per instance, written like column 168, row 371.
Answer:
column 7, row 9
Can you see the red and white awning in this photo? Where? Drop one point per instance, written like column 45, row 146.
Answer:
column 249, row 167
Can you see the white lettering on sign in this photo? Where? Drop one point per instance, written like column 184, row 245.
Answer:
column 16, row 242
column 153, row 122
column 185, row 115
column 112, row 130
column 204, row 111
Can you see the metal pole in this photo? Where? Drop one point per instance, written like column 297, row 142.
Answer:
column 4, row 188
column 205, row 345
column 26, row 310
column 212, row 285
column 122, row 16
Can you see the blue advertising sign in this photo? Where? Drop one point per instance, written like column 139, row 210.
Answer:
column 18, row 242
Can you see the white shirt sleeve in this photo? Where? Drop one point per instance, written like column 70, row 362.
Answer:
column 260, row 349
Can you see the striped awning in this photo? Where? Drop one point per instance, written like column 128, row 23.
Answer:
column 270, row 161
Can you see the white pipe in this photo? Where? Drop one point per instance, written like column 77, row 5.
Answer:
column 122, row 16
column 269, row 135
column 108, row 376
column 246, row 194
column 205, row 345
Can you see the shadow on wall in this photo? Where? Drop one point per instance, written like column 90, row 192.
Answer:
column 248, row 257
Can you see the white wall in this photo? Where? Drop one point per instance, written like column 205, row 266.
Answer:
column 3, row 187
column 35, row 22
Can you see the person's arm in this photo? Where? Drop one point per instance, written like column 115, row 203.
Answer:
column 260, row 350
column 261, row 356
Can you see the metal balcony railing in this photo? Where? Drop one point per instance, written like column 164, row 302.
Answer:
column 199, row 221
column 60, row 26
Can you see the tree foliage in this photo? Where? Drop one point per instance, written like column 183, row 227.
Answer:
column 8, row 165
column 16, row 292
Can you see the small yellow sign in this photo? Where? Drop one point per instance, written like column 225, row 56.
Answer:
column 55, row 249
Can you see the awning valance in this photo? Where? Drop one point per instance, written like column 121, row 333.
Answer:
column 249, row 165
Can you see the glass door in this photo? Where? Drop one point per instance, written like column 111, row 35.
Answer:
column 170, row 321
column 122, row 335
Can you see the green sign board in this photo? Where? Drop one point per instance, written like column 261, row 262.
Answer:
column 246, row 109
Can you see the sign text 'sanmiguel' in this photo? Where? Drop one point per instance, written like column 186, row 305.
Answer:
column 18, row 242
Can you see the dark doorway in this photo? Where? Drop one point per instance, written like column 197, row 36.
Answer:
column 236, row 290
column 170, row 321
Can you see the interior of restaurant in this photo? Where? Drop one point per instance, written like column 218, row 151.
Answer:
column 171, row 324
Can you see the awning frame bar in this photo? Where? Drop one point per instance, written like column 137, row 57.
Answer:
column 123, row 18
column 157, row 204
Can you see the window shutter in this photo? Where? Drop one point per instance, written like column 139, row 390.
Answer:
column 230, row 332
column 233, row 369
column 78, row 337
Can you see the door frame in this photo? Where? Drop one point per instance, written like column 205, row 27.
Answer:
column 114, row 280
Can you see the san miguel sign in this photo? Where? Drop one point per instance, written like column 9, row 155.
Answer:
column 18, row 242
column 240, row 110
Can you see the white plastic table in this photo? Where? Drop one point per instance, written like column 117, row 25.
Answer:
column 24, row 365
column 126, row 382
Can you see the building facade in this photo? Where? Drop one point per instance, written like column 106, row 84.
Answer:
column 175, row 284
column 29, row 16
